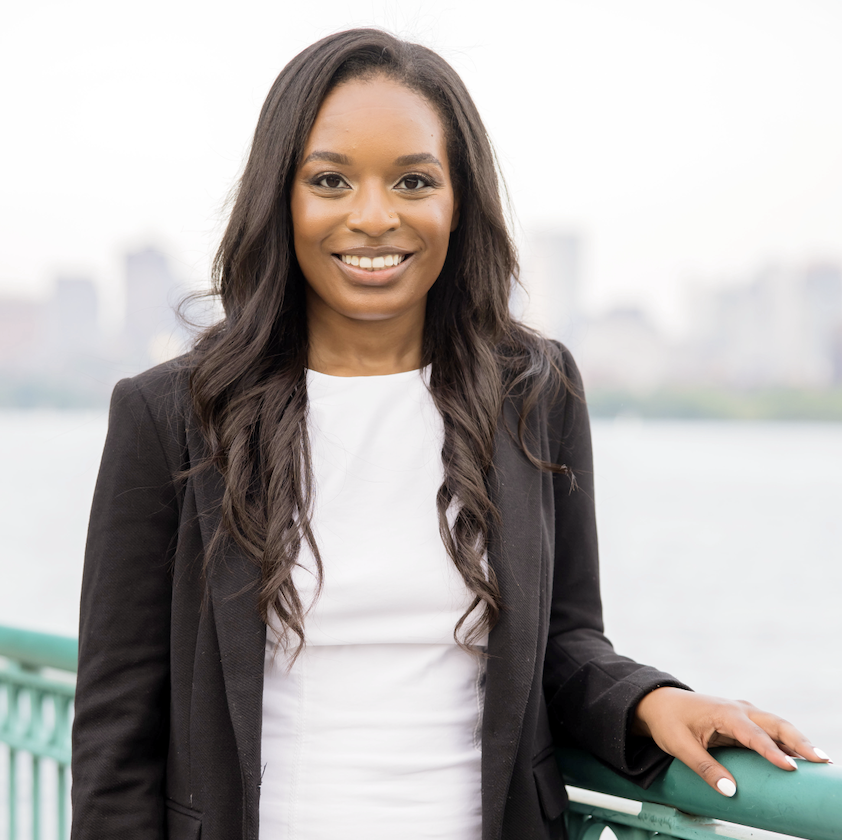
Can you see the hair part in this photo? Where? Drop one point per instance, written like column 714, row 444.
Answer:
column 248, row 378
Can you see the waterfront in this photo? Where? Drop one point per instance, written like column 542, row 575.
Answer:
column 720, row 548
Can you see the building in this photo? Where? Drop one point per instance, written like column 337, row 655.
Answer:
column 152, row 331
column 780, row 329
column 22, row 329
column 73, row 329
column 552, row 277
column 622, row 349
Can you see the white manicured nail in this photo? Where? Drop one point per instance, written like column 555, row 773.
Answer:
column 821, row 754
column 791, row 760
column 727, row 787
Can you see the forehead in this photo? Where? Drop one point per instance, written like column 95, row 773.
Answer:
column 375, row 114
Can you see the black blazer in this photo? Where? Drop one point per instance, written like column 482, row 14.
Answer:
column 166, row 737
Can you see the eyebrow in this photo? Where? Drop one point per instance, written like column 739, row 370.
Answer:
column 332, row 157
column 421, row 157
column 344, row 160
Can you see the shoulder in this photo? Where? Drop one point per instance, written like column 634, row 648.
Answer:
column 164, row 384
column 155, row 405
column 543, row 372
column 563, row 359
column 163, row 390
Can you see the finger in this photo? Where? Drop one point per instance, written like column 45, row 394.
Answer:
column 789, row 739
column 808, row 751
column 751, row 735
column 690, row 752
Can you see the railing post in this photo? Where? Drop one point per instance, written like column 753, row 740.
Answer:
column 62, row 802
column 13, row 795
column 36, row 798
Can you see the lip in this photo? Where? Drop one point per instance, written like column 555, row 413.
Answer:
column 381, row 277
column 373, row 251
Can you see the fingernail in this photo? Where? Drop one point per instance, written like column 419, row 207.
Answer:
column 791, row 760
column 727, row 787
column 821, row 754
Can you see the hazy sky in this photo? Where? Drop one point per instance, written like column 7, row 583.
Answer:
column 685, row 139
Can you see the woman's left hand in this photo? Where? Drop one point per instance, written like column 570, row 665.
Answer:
column 685, row 724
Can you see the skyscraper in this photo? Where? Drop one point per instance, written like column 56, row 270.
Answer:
column 151, row 327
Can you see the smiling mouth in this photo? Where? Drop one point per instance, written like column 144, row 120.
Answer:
column 373, row 263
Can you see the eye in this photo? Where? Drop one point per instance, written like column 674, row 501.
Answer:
column 330, row 181
column 414, row 183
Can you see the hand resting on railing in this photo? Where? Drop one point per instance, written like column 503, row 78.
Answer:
column 685, row 724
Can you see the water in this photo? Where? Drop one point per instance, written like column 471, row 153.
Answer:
column 720, row 549
column 720, row 546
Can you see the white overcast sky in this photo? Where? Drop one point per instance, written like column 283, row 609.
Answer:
column 684, row 139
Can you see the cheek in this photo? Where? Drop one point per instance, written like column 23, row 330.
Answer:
column 436, row 223
column 311, row 220
column 306, row 222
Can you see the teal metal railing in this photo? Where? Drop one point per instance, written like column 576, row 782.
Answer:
column 35, row 717
column 769, row 802
column 36, row 699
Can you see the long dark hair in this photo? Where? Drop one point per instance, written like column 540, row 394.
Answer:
column 248, row 379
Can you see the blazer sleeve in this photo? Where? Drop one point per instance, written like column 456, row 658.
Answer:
column 592, row 692
column 120, row 726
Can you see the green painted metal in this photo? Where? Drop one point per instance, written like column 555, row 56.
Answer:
column 13, row 793
column 803, row 803
column 586, row 822
column 39, row 650
column 35, row 723
column 62, row 798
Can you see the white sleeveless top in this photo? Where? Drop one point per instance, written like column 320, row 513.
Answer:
column 374, row 733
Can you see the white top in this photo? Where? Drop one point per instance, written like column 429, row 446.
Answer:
column 374, row 733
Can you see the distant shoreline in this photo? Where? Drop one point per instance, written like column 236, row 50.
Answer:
column 793, row 404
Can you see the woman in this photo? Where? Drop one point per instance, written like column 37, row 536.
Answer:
column 341, row 572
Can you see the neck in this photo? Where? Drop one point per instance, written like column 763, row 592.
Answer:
column 341, row 346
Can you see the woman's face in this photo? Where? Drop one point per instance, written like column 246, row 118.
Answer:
column 372, row 203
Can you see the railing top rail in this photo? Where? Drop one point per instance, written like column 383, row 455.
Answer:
column 803, row 803
column 40, row 650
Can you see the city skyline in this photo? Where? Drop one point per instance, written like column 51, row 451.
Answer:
column 780, row 327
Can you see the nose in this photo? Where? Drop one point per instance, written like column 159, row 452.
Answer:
column 373, row 212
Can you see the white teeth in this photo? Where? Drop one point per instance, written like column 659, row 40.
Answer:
column 373, row 263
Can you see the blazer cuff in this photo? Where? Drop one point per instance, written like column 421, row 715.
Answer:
column 643, row 759
column 595, row 710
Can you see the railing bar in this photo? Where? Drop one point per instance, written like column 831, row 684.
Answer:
column 604, row 800
column 36, row 798
column 674, row 823
column 744, row 832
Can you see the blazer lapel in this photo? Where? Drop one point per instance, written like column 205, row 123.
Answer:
column 241, row 633
column 515, row 556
